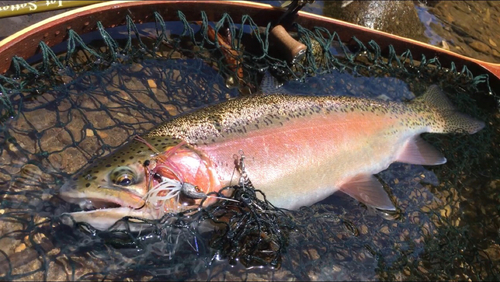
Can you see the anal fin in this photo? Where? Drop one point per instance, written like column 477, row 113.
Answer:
column 417, row 151
column 368, row 190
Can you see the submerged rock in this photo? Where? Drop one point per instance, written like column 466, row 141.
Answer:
column 396, row 17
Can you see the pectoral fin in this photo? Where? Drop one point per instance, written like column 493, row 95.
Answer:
column 417, row 151
column 367, row 189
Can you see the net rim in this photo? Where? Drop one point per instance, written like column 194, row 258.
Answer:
column 53, row 31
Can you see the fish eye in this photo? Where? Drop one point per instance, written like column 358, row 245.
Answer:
column 123, row 176
column 124, row 181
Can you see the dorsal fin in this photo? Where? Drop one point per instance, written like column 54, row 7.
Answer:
column 435, row 98
column 446, row 118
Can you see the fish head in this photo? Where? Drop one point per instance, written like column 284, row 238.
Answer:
column 117, row 180
column 143, row 179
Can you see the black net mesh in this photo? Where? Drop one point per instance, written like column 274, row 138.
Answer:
column 79, row 101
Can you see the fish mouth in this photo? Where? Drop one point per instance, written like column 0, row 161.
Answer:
column 110, row 219
column 104, row 207
column 101, row 199
column 99, row 204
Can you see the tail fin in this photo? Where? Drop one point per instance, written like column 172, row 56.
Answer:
column 453, row 120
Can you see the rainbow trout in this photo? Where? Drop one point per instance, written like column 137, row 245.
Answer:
column 298, row 151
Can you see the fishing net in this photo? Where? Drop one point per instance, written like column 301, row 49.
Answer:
column 78, row 101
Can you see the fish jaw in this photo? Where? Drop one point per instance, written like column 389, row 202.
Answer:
column 107, row 219
column 103, row 209
column 94, row 198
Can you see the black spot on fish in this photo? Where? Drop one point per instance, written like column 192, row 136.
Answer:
column 108, row 165
column 87, row 185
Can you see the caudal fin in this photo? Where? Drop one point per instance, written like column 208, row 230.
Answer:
column 452, row 120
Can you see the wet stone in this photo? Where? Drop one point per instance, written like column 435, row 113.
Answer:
column 480, row 47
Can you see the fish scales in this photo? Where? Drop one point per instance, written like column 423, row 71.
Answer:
column 219, row 122
column 298, row 150
column 279, row 112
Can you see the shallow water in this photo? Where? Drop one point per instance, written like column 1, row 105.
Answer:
column 470, row 28
column 446, row 226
